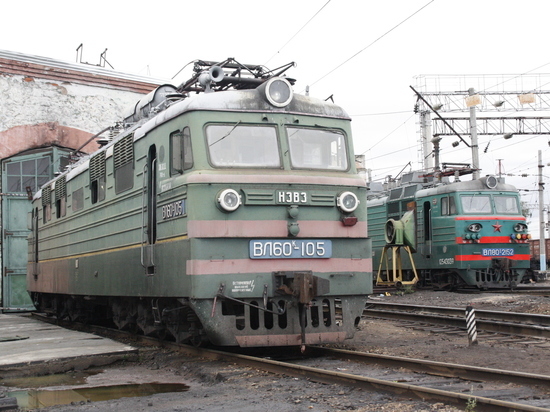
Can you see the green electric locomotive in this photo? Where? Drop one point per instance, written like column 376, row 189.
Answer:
column 464, row 233
column 227, row 210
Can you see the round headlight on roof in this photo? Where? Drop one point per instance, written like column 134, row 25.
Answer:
column 491, row 181
column 278, row 92
column 229, row 200
column 347, row 201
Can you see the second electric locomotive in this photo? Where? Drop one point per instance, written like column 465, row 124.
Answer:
column 466, row 233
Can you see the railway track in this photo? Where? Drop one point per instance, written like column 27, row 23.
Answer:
column 426, row 380
column 511, row 323
column 523, row 289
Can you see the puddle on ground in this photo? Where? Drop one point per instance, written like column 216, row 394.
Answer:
column 33, row 398
column 59, row 379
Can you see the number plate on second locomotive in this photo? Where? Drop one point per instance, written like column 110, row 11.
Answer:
column 497, row 252
column 290, row 249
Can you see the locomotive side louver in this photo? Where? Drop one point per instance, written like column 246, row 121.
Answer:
column 46, row 196
column 61, row 188
column 124, row 151
column 97, row 166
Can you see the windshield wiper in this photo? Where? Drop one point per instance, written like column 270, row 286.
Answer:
column 227, row 134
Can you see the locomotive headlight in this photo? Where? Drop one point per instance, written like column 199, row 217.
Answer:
column 229, row 200
column 474, row 227
column 347, row 201
column 278, row 92
column 520, row 227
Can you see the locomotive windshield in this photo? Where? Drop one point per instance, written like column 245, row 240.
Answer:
column 239, row 145
column 476, row 204
column 506, row 204
column 243, row 146
column 482, row 204
column 317, row 149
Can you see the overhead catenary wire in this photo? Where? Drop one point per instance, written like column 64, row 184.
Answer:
column 295, row 34
column 372, row 43
column 388, row 135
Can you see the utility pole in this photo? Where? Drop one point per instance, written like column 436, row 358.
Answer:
column 499, row 168
column 473, row 135
column 542, row 243
column 426, row 129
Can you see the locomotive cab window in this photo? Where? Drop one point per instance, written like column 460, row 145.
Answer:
column 506, row 204
column 243, row 146
column 317, row 149
column 448, row 206
column 180, row 149
column 476, row 203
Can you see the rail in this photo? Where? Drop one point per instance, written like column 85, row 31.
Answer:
column 357, row 381
column 526, row 324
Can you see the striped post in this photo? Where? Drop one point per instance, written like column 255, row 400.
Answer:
column 471, row 325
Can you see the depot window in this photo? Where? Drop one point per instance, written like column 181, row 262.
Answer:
column 506, row 204
column 31, row 173
column 237, row 145
column 317, row 149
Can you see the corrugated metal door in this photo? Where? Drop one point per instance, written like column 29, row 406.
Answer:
column 14, row 240
column 28, row 171
column 19, row 173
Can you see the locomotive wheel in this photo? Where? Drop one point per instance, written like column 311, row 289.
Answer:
column 124, row 314
column 80, row 312
column 198, row 339
column 145, row 319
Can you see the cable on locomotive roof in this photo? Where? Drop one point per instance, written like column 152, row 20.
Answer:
column 230, row 74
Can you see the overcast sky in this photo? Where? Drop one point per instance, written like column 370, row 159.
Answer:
column 364, row 53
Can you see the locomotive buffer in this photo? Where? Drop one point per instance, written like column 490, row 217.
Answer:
column 399, row 234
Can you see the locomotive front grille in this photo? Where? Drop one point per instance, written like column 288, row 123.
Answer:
column 246, row 323
column 322, row 313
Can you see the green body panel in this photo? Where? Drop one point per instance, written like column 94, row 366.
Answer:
column 97, row 250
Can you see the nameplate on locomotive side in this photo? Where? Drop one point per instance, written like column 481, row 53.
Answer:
column 497, row 251
column 174, row 209
column 290, row 249
column 291, row 197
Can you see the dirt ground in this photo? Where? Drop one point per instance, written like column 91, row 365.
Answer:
column 220, row 386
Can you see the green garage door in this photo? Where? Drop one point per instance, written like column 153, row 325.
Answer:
column 14, row 252
column 30, row 170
